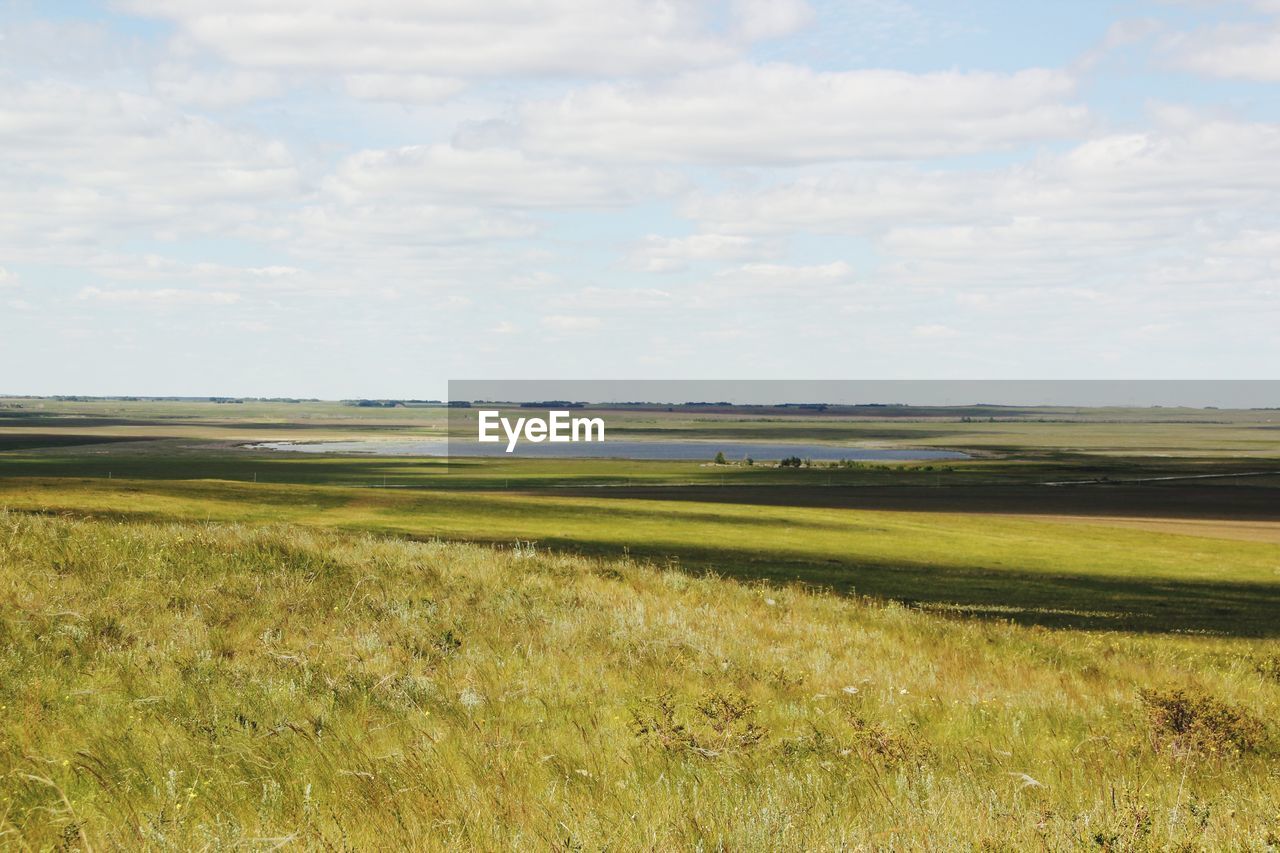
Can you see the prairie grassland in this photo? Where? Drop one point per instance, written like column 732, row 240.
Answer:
column 1148, row 432
column 1054, row 573
column 210, row 686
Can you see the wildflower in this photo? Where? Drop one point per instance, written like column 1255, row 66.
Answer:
column 902, row 691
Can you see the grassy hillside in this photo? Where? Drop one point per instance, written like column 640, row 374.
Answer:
column 201, row 685
column 1052, row 572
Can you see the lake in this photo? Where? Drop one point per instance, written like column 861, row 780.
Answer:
column 669, row 450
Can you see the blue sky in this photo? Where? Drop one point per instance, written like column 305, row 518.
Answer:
column 337, row 198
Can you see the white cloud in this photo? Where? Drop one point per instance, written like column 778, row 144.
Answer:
column 82, row 165
column 162, row 296
column 380, row 232
column 462, row 38
column 755, row 20
column 213, row 89
column 553, row 162
column 840, row 202
column 621, row 300
column 402, row 88
column 153, row 269
column 783, row 273
column 491, row 176
column 672, row 254
column 571, row 323
column 1145, row 183
column 1184, row 208
column 65, row 46
column 781, row 282
column 1245, row 51
column 787, row 114
column 1252, row 243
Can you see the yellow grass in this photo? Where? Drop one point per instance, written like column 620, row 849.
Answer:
column 209, row 686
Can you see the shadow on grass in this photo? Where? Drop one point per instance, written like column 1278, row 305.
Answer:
column 1066, row 600
column 1247, row 503
column 1050, row 599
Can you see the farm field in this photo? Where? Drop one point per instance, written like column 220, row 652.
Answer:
column 1068, row 639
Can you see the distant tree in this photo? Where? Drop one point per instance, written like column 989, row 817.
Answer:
column 720, row 460
column 747, row 460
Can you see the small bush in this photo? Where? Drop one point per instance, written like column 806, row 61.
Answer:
column 1191, row 721
column 1270, row 667
column 724, row 724
column 891, row 746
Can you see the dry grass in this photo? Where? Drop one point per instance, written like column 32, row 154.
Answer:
column 196, row 686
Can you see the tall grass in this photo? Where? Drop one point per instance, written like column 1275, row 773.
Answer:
column 218, row 686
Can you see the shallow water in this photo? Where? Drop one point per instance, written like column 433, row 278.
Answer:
column 670, row 450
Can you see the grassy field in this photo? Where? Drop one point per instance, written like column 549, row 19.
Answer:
column 1051, row 572
column 211, row 647
column 197, row 686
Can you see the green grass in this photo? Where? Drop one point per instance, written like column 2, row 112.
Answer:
column 1025, row 568
column 212, row 686
column 577, row 654
column 1220, row 433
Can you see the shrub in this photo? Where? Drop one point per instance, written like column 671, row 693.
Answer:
column 1192, row 721
column 891, row 746
column 1269, row 667
column 724, row 724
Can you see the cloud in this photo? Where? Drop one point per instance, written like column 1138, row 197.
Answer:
column 402, row 88
column 1245, row 51
column 1156, row 217
column 453, row 38
column 181, row 84
column 784, row 283
column 783, row 273
column 571, row 323
column 151, row 268
column 491, row 176
column 66, row 46
column 163, row 296
column 1152, row 182
column 786, row 114
column 755, row 20
column 672, row 254
column 379, row 232
column 647, row 176
column 83, row 166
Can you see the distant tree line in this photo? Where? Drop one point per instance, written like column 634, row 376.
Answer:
column 390, row 404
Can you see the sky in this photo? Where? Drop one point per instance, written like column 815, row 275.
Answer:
column 368, row 198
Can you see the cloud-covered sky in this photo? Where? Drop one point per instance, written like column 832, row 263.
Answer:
column 369, row 197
